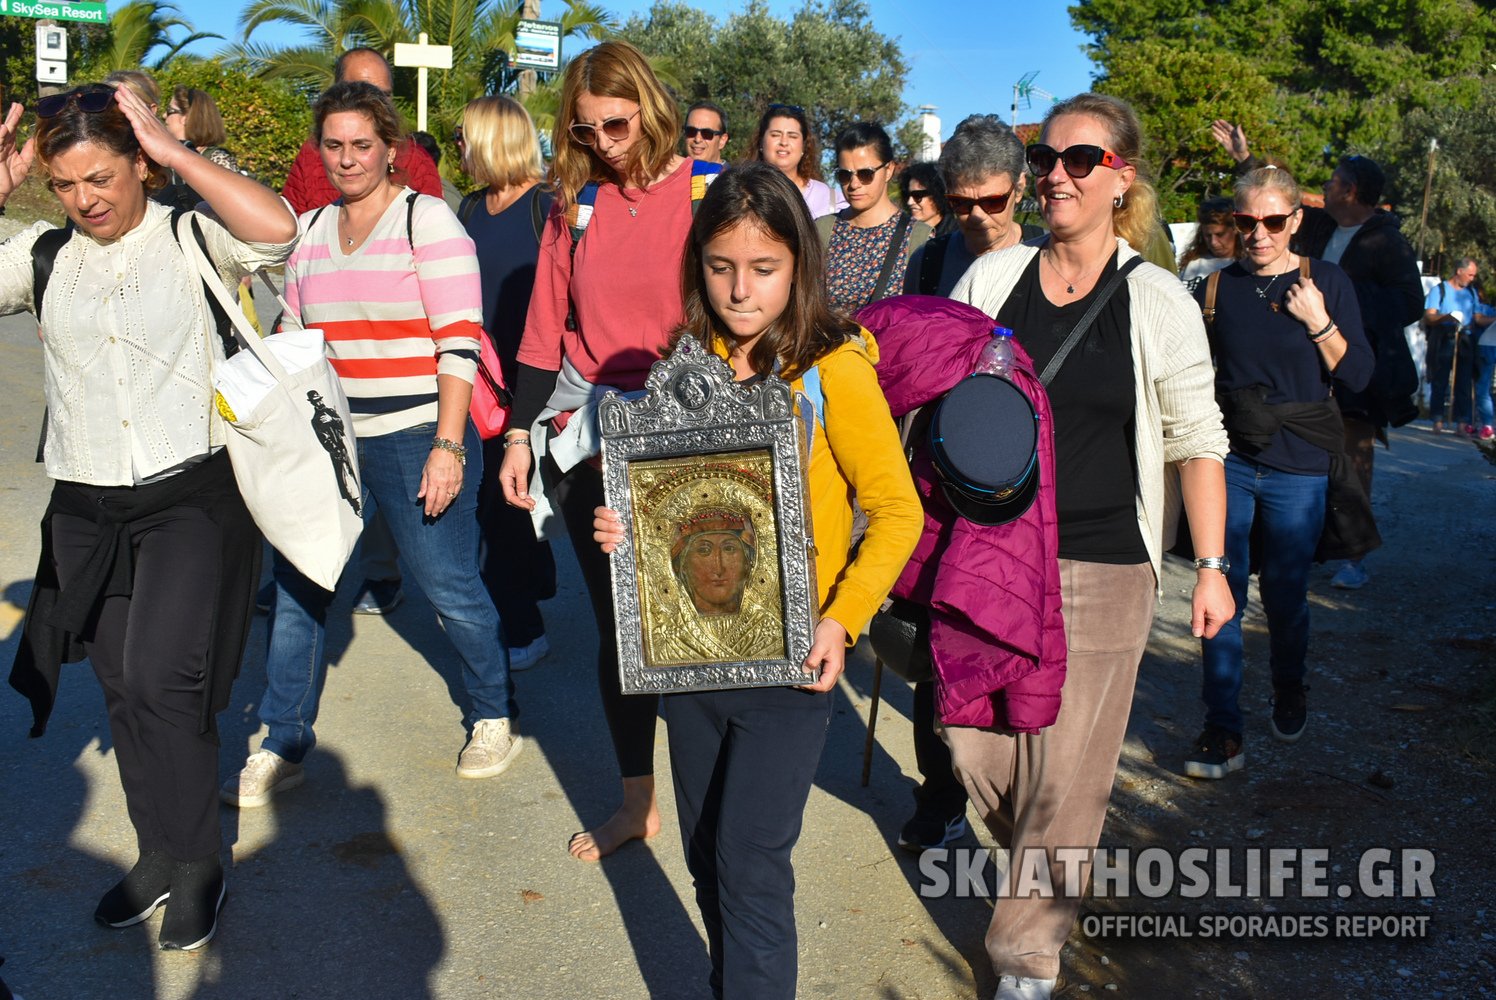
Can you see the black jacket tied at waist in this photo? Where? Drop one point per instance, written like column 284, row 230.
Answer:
column 58, row 619
column 1251, row 421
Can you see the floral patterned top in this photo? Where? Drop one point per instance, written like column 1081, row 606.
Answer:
column 854, row 259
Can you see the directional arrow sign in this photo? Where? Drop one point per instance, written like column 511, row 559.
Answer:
column 61, row 10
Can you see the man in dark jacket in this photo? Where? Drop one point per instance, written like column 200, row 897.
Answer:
column 1368, row 245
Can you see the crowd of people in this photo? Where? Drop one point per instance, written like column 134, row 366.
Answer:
column 1247, row 382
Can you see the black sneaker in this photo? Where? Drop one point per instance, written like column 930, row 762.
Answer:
column 1289, row 713
column 138, row 894
column 1217, row 753
column 926, row 831
column 378, row 597
column 197, row 894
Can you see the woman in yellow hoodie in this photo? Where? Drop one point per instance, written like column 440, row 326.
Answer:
column 743, row 760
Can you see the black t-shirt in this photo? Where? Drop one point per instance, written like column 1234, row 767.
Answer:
column 507, row 248
column 1093, row 404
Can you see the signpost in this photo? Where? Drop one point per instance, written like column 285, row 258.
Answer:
column 537, row 45
column 60, row 10
column 423, row 57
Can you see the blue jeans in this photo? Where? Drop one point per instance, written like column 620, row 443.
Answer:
column 442, row 556
column 1485, row 368
column 1291, row 509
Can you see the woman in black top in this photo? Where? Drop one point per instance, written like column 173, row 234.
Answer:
column 1279, row 337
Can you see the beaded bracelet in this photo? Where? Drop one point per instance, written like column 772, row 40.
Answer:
column 453, row 447
column 523, row 442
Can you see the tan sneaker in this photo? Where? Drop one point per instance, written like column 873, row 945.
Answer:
column 490, row 751
column 264, row 774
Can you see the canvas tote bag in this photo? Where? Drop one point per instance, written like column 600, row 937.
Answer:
column 290, row 438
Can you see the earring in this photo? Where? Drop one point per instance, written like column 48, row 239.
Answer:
column 389, row 167
column 1117, row 201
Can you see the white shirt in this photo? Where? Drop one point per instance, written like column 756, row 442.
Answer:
column 129, row 346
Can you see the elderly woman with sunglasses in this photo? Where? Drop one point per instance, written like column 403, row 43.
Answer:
column 1133, row 405
column 149, row 557
column 784, row 139
column 1285, row 337
column 607, row 295
column 868, row 243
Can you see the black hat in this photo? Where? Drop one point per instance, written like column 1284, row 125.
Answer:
column 984, row 441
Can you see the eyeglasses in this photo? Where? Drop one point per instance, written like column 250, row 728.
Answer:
column 458, row 137
column 174, row 111
column 91, row 99
column 991, row 204
column 616, row 129
column 1079, row 159
column 1247, row 224
column 916, row 195
column 691, row 132
column 864, row 176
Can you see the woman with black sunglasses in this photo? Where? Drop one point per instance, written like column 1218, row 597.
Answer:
column 868, row 243
column 923, row 191
column 149, row 558
column 1285, row 334
column 607, row 295
column 1133, row 403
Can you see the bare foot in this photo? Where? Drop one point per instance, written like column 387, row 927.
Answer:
column 638, row 818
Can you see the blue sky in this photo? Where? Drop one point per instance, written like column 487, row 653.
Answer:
column 964, row 56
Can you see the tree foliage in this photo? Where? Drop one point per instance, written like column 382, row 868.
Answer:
column 267, row 120
column 1309, row 79
column 828, row 59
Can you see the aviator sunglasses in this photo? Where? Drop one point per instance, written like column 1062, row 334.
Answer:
column 691, row 132
column 616, row 129
column 992, row 204
column 92, row 99
column 1079, row 159
column 1246, row 224
column 864, row 176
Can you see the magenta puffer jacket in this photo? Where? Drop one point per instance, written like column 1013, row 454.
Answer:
column 996, row 632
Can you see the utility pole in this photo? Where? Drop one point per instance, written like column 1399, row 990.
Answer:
column 528, row 77
column 1428, row 187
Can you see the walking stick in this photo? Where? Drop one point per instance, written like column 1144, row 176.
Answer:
column 1454, row 366
column 872, row 721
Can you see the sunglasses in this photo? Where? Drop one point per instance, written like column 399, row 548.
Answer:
column 691, row 132
column 864, row 176
column 616, row 129
column 916, row 195
column 793, row 109
column 91, row 99
column 1079, row 159
column 1247, row 224
column 992, row 204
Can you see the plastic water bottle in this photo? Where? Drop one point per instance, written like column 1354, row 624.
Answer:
column 997, row 353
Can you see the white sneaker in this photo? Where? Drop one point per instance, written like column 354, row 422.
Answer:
column 1020, row 988
column 490, row 751
column 525, row 657
column 264, row 774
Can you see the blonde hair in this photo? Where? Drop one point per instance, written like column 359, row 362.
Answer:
column 503, row 149
column 1269, row 178
column 1137, row 219
column 143, row 84
column 612, row 69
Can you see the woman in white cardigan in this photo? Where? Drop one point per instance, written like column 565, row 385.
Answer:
column 1133, row 400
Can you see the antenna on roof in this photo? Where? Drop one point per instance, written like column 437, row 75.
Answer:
column 1023, row 93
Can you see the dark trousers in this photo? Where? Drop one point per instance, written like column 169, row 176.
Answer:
column 518, row 569
column 631, row 718
column 743, row 762
column 1446, row 348
column 150, row 653
column 941, row 792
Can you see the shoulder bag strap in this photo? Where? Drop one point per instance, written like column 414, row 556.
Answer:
column 1212, row 286
column 221, row 320
column 895, row 248
column 1053, row 368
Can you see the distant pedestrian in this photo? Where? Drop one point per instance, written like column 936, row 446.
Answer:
column 786, row 140
column 1216, row 243
column 923, row 192
column 1454, row 318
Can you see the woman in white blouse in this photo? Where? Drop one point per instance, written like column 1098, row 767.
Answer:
column 149, row 556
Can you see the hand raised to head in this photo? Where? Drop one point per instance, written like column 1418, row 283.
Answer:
column 15, row 163
column 150, row 131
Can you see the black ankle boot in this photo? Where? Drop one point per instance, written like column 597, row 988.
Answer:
column 197, row 894
column 139, row 893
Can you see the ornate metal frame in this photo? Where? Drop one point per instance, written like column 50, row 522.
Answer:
column 691, row 406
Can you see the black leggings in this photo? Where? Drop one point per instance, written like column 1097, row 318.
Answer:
column 631, row 718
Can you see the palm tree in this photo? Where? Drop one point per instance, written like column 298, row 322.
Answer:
column 139, row 28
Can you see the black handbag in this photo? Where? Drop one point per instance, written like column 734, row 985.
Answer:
column 900, row 634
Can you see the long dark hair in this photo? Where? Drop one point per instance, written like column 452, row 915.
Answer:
column 758, row 194
column 809, row 167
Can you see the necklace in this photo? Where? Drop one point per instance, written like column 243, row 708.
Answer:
column 1069, row 284
column 1263, row 293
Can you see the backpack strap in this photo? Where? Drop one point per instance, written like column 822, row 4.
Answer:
column 933, row 263
column 1212, row 286
column 410, row 221
column 43, row 258
column 579, row 217
column 469, row 204
column 702, row 175
column 815, row 400
column 1303, row 265
column 537, row 217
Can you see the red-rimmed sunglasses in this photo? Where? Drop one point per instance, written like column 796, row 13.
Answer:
column 1246, row 224
column 992, row 204
column 1079, row 159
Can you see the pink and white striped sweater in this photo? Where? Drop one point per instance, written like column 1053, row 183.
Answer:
column 395, row 316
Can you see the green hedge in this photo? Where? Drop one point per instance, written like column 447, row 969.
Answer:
column 267, row 120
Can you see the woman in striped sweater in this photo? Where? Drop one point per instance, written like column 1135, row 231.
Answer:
column 391, row 279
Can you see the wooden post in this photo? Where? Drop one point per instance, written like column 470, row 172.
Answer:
column 528, row 78
column 423, row 57
column 1428, row 187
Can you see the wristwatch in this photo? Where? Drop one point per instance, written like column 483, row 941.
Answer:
column 1214, row 562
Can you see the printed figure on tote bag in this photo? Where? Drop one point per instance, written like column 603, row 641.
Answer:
column 330, row 430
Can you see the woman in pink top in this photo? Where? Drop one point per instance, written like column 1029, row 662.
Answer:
column 601, row 311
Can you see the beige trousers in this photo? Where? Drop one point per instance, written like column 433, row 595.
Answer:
column 1050, row 791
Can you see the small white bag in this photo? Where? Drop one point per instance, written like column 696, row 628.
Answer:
column 291, row 438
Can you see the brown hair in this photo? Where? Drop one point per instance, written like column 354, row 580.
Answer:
column 502, row 147
column 613, row 69
column 758, row 194
column 1137, row 220
column 200, row 117
column 809, row 167
column 108, row 128
column 1212, row 212
column 367, row 100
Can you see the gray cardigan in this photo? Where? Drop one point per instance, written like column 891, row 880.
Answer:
column 1177, row 418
